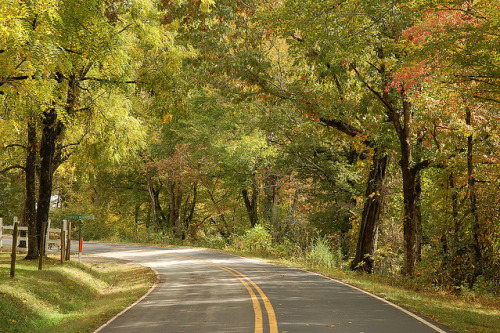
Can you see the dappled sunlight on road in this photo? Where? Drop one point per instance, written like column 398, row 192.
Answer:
column 211, row 291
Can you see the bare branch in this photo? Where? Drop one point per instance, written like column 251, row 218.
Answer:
column 16, row 145
column 12, row 168
column 420, row 166
column 13, row 78
column 107, row 80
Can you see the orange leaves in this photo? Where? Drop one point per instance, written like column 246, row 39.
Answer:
column 439, row 20
column 408, row 77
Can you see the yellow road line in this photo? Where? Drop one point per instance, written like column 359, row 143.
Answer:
column 273, row 324
column 259, row 328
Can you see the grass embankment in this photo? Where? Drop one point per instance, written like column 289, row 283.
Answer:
column 460, row 313
column 73, row 296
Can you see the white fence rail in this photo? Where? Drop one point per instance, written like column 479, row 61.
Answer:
column 52, row 236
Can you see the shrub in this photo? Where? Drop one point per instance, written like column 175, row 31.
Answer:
column 320, row 254
column 214, row 241
column 257, row 239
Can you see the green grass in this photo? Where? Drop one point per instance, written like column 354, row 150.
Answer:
column 78, row 297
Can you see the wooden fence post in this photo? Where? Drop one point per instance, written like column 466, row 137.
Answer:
column 1, row 231
column 68, row 243
column 14, row 250
column 63, row 241
column 47, row 237
column 42, row 246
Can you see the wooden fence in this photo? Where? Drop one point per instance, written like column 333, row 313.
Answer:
column 53, row 236
column 11, row 227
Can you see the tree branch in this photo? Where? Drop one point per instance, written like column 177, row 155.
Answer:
column 345, row 128
column 106, row 80
column 13, row 167
column 390, row 110
column 16, row 145
column 420, row 166
column 13, row 78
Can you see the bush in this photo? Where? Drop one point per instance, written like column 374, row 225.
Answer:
column 213, row 241
column 320, row 254
column 257, row 239
column 287, row 249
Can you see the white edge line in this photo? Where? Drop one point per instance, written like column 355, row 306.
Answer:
column 411, row 314
column 135, row 303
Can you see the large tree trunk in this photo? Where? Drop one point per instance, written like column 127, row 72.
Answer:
column 270, row 205
column 410, row 195
column 190, row 215
column 270, row 209
column 367, row 239
column 251, row 204
column 476, row 226
column 52, row 129
column 152, row 196
column 418, row 215
column 410, row 223
column 175, row 205
column 29, row 215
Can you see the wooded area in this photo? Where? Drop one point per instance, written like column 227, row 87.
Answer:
column 371, row 127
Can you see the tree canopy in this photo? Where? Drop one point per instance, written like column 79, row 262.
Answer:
column 373, row 125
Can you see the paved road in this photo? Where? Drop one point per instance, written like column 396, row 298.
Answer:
column 208, row 291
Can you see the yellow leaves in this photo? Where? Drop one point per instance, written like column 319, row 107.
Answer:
column 167, row 118
column 206, row 4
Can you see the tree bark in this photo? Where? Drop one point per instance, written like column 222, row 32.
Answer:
column 368, row 233
column 189, row 218
column 152, row 196
column 52, row 129
column 476, row 226
column 270, row 206
column 251, row 205
column 29, row 215
column 409, row 190
column 175, row 204
column 271, row 199
column 418, row 215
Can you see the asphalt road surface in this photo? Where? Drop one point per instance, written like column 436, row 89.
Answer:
column 208, row 291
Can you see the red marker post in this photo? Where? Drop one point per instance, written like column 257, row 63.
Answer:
column 80, row 218
column 80, row 248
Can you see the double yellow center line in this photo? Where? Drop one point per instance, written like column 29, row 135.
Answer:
column 249, row 285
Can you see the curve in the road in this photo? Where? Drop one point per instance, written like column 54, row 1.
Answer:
column 242, row 278
column 273, row 324
column 207, row 291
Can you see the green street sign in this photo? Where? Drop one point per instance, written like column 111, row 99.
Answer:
column 80, row 217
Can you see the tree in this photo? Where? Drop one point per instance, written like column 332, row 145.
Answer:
column 461, row 36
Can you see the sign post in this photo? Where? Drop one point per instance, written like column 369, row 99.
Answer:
column 80, row 218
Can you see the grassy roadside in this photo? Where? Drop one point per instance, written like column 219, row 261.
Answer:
column 460, row 314
column 78, row 297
